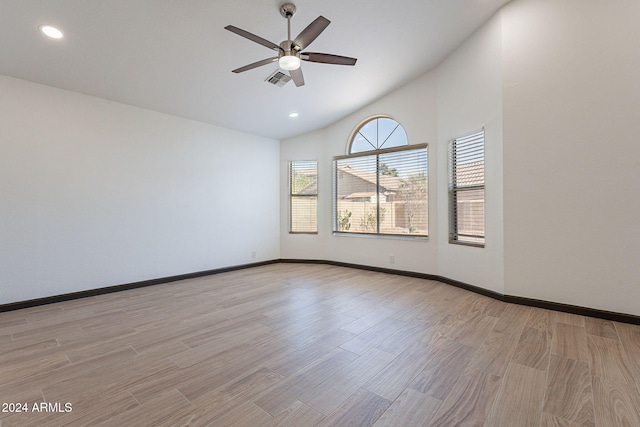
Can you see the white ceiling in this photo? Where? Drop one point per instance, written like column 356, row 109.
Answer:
column 175, row 57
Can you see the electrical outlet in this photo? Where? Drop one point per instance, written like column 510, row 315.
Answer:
column 392, row 259
column 253, row 254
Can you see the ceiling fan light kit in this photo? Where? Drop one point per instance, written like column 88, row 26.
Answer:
column 289, row 62
column 289, row 51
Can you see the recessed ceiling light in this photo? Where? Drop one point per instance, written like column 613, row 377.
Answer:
column 293, row 115
column 50, row 31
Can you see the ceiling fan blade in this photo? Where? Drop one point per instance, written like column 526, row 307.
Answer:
column 297, row 77
column 312, row 31
column 327, row 58
column 255, row 65
column 252, row 37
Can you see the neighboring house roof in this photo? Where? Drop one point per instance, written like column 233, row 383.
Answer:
column 470, row 174
column 361, row 195
column 310, row 190
column 388, row 183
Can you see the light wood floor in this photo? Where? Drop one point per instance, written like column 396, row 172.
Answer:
column 306, row 345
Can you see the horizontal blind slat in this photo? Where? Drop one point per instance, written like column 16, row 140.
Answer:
column 466, row 188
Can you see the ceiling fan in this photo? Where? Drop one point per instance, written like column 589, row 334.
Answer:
column 290, row 51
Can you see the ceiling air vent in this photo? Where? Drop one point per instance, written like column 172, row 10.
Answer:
column 278, row 78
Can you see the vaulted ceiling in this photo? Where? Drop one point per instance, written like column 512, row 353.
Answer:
column 175, row 57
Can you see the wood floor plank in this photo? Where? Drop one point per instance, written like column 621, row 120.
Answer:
column 570, row 341
column 219, row 355
column 373, row 336
column 608, row 360
column 570, row 318
column 363, row 323
column 630, row 339
column 362, row 409
column 533, row 348
column 206, row 410
column 443, row 369
column 104, row 382
column 403, row 338
column 600, row 327
column 247, row 414
column 540, row 318
column 494, row 354
column 519, row 399
column 11, row 355
column 548, row 420
column 470, row 400
column 284, row 394
column 494, row 308
column 473, row 306
column 297, row 415
column 289, row 362
column 210, row 378
column 335, row 390
column 513, row 319
column 411, row 408
column 391, row 381
column 12, row 318
column 325, row 326
column 568, row 394
column 423, row 313
column 471, row 331
column 32, row 367
column 244, row 388
column 615, row 404
column 157, row 412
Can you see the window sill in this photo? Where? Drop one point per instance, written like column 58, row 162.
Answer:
column 473, row 245
column 383, row 236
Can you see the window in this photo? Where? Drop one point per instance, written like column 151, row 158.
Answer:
column 303, row 196
column 378, row 133
column 466, row 190
column 381, row 187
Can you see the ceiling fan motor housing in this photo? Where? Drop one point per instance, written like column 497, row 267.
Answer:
column 287, row 10
column 289, row 49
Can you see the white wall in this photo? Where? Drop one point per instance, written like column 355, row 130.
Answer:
column 470, row 98
column 95, row 193
column 572, row 152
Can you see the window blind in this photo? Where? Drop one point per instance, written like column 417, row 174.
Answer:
column 384, row 193
column 466, row 189
column 303, row 196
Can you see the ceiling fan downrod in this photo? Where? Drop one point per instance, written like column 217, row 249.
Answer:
column 288, row 10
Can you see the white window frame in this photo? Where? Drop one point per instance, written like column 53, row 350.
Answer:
column 467, row 151
column 311, row 165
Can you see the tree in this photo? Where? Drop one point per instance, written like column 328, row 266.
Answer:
column 386, row 170
column 344, row 220
column 299, row 181
column 413, row 191
column 370, row 221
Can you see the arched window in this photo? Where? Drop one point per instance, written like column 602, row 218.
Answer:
column 377, row 133
column 380, row 186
